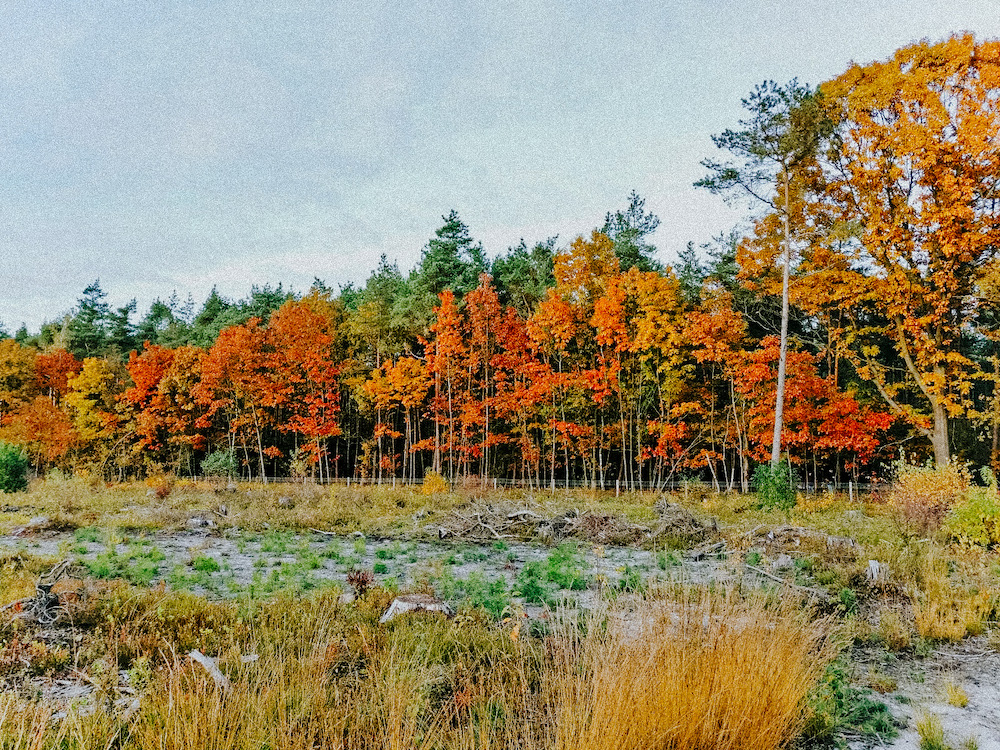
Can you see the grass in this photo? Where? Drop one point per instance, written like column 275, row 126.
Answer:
column 935, row 591
column 708, row 672
column 931, row 733
column 955, row 694
column 689, row 668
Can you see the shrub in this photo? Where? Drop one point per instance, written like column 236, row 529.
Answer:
column 923, row 495
column 14, row 467
column 975, row 519
column 774, row 487
column 219, row 464
column 433, row 484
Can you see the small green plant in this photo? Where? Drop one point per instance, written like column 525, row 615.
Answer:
column 931, row 733
column 139, row 564
column 848, row 600
column 753, row 557
column 631, row 581
column 492, row 597
column 381, row 568
column 835, row 705
column 668, row 559
column 14, row 467
column 220, row 464
column 88, row 534
column 565, row 567
column 530, row 584
column 774, row 487
column 205, row 564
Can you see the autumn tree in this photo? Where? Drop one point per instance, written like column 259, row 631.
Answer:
column 237, row 387
column 306, row 373
column 102, row 434
column 914, row 173
column 17, row 375
column 53, row 370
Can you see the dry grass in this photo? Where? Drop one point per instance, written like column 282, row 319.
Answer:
column 955, row 694
column 697, row 670
column 710, row 673
column 945, row 608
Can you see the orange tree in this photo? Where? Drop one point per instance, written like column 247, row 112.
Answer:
column 911, row 191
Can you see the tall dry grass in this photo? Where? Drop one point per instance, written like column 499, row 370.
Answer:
column 711, row 673
column 695, row 670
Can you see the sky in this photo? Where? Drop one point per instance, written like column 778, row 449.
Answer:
column 176, row 146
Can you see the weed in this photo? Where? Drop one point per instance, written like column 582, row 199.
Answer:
column 530, row 583
column 631, row 580
column 667, row 560
column 205, row 564
column 955, row 694
column 931, row 733
column 90, row 534
column 565, row 567
column 835, row 705
column 381, row 568
column 774, row 487
column 139, row 564
column 847, row 600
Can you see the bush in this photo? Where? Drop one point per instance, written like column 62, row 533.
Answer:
column 14, row 467
column 975, row 519
column 775, row 487
column 923, row 495
column 433, row 484
column 219, row 464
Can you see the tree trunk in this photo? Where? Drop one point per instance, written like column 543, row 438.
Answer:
column 939, row 437
column 779, row 406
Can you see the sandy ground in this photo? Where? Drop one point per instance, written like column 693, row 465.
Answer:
column 970, row 665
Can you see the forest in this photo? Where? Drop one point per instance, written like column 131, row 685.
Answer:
column 871, row 238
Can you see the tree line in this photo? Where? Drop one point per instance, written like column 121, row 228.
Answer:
column 854, row 318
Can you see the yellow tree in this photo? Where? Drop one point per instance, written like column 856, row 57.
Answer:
column 93, row 406
column 914, row 171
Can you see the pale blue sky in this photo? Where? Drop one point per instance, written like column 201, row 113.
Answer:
column 180, row 145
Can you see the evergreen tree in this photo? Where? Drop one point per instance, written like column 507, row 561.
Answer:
column 88, row 328
column 690, row 273
column 121, row 333
column 451, row 260
column 628, row 230
column 523, row 276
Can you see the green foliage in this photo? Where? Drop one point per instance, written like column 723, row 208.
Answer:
column 138, row 564
column 774, row 487
column 565, row 567
column 523, row 276
column 835, row 705
column 631, row 581
column 974, row 520
column 14, row 465
column 493, row 597
column 628, row 231
column 530, row 583
column 219, row 464
column 205, row 564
